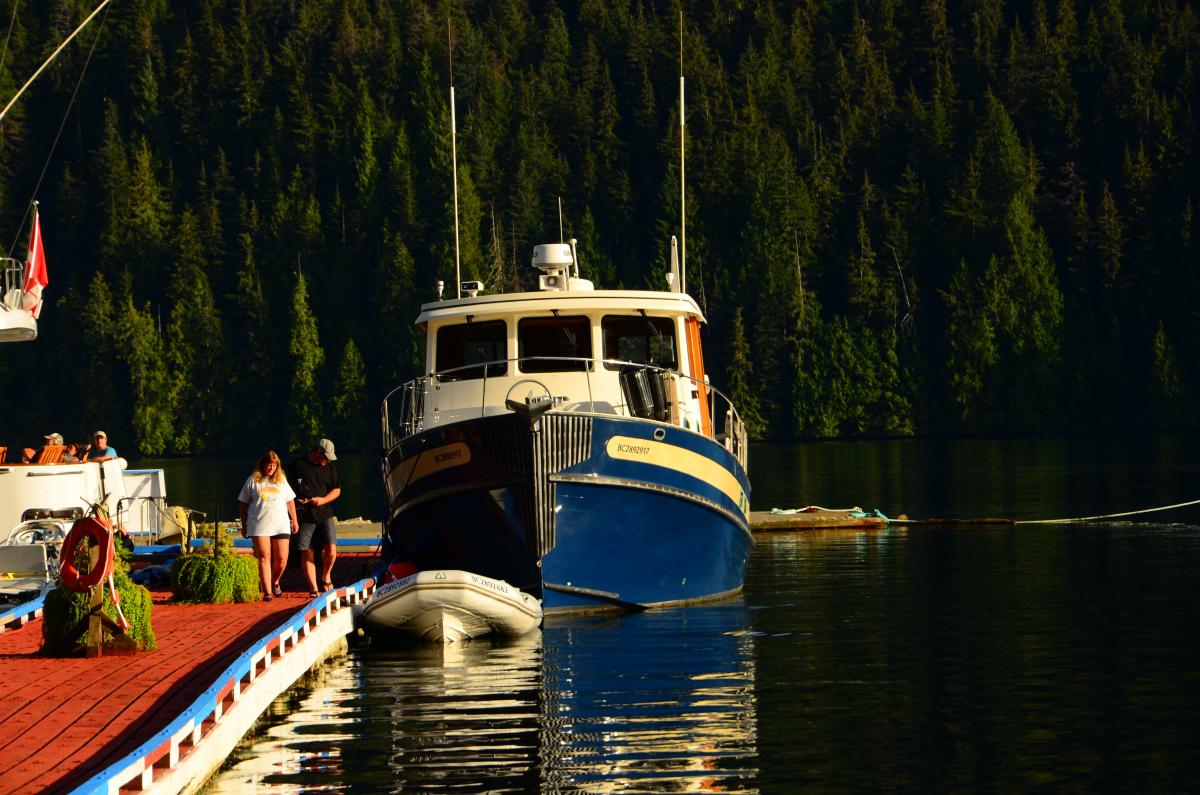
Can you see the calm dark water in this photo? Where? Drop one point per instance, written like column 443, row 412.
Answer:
column 1036, row 657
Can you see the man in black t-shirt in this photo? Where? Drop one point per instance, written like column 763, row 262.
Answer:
column 314, row 478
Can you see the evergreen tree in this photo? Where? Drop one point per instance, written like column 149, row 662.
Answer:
column 144, row 352
column 97, row 377
column 970, row 345
column 195, row 345
column 1172, row 404
column 140, row 234
column 348, row 405
column 396, row 349
column 739, row 379
column 306, row 357
column 1026, row 303
column 252, row 352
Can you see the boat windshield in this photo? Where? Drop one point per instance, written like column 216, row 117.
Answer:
column 564, row 341
column 639, row 339
column 466, row 344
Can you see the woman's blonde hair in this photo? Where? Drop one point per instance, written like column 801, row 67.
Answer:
column 260, row 471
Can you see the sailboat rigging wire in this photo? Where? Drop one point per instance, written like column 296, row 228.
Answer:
column 61, row 126
column 53, row 55
column 11, row 22
column 1108, row 515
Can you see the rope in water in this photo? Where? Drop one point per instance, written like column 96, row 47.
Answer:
column 1108, row 515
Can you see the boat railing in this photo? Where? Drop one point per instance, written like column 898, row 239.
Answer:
column 403, row 411
column 141, row 517
column 14, row 278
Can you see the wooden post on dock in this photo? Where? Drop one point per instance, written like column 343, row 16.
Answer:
column 95, row 632
column 104, row 634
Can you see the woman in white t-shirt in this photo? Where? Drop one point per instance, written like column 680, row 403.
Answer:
column 268, row 510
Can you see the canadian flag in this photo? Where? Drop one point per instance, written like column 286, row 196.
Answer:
column 35, row 269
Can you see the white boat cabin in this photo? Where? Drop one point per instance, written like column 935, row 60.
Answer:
column 62, row 492
column 616, row 352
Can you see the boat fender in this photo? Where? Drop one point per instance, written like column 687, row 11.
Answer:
column 101, row 535
column 122, row 622
column 398, row 571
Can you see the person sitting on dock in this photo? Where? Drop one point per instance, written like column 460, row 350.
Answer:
column 100, row 449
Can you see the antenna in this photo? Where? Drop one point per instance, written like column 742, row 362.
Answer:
column 682, row 179
column 673, row 274
column 454, row 163
column 560, row 236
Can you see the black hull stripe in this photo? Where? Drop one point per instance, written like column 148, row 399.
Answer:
column 450, row 491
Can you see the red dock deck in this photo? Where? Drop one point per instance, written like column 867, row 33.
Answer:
column 63, row 720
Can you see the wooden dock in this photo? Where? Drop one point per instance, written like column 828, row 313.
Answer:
column 814, row 519
column 66, row 722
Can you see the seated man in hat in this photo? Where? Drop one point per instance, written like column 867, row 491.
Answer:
column 100, row 449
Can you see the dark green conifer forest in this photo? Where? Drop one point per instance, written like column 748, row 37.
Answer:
column 903, row 217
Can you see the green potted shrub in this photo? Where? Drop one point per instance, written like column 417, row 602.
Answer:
column 215, row 574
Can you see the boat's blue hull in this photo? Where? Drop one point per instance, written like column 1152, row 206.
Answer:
column 586, row 512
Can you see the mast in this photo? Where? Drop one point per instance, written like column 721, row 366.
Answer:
column 682, row 178
column 454, row 166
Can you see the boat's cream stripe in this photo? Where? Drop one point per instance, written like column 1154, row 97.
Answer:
column 427, row 463
column 439, row 458
column 646, row 451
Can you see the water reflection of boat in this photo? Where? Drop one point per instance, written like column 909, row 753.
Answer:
column 661, row 701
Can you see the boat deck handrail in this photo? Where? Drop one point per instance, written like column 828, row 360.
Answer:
column 14, row 282
column 403, row 409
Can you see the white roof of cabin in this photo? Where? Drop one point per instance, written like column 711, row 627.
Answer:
column 566, row 301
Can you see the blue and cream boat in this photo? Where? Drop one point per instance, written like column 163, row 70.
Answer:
column 567, row 442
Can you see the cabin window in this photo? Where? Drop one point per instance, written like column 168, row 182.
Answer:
column 465, row 344
column 639, row 339
column 554, row 344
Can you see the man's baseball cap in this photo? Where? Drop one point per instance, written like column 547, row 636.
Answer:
column 326, row 447
column 54, row 438
column 99, row 433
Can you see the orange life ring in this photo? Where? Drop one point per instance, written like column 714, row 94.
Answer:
column 102, row 536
